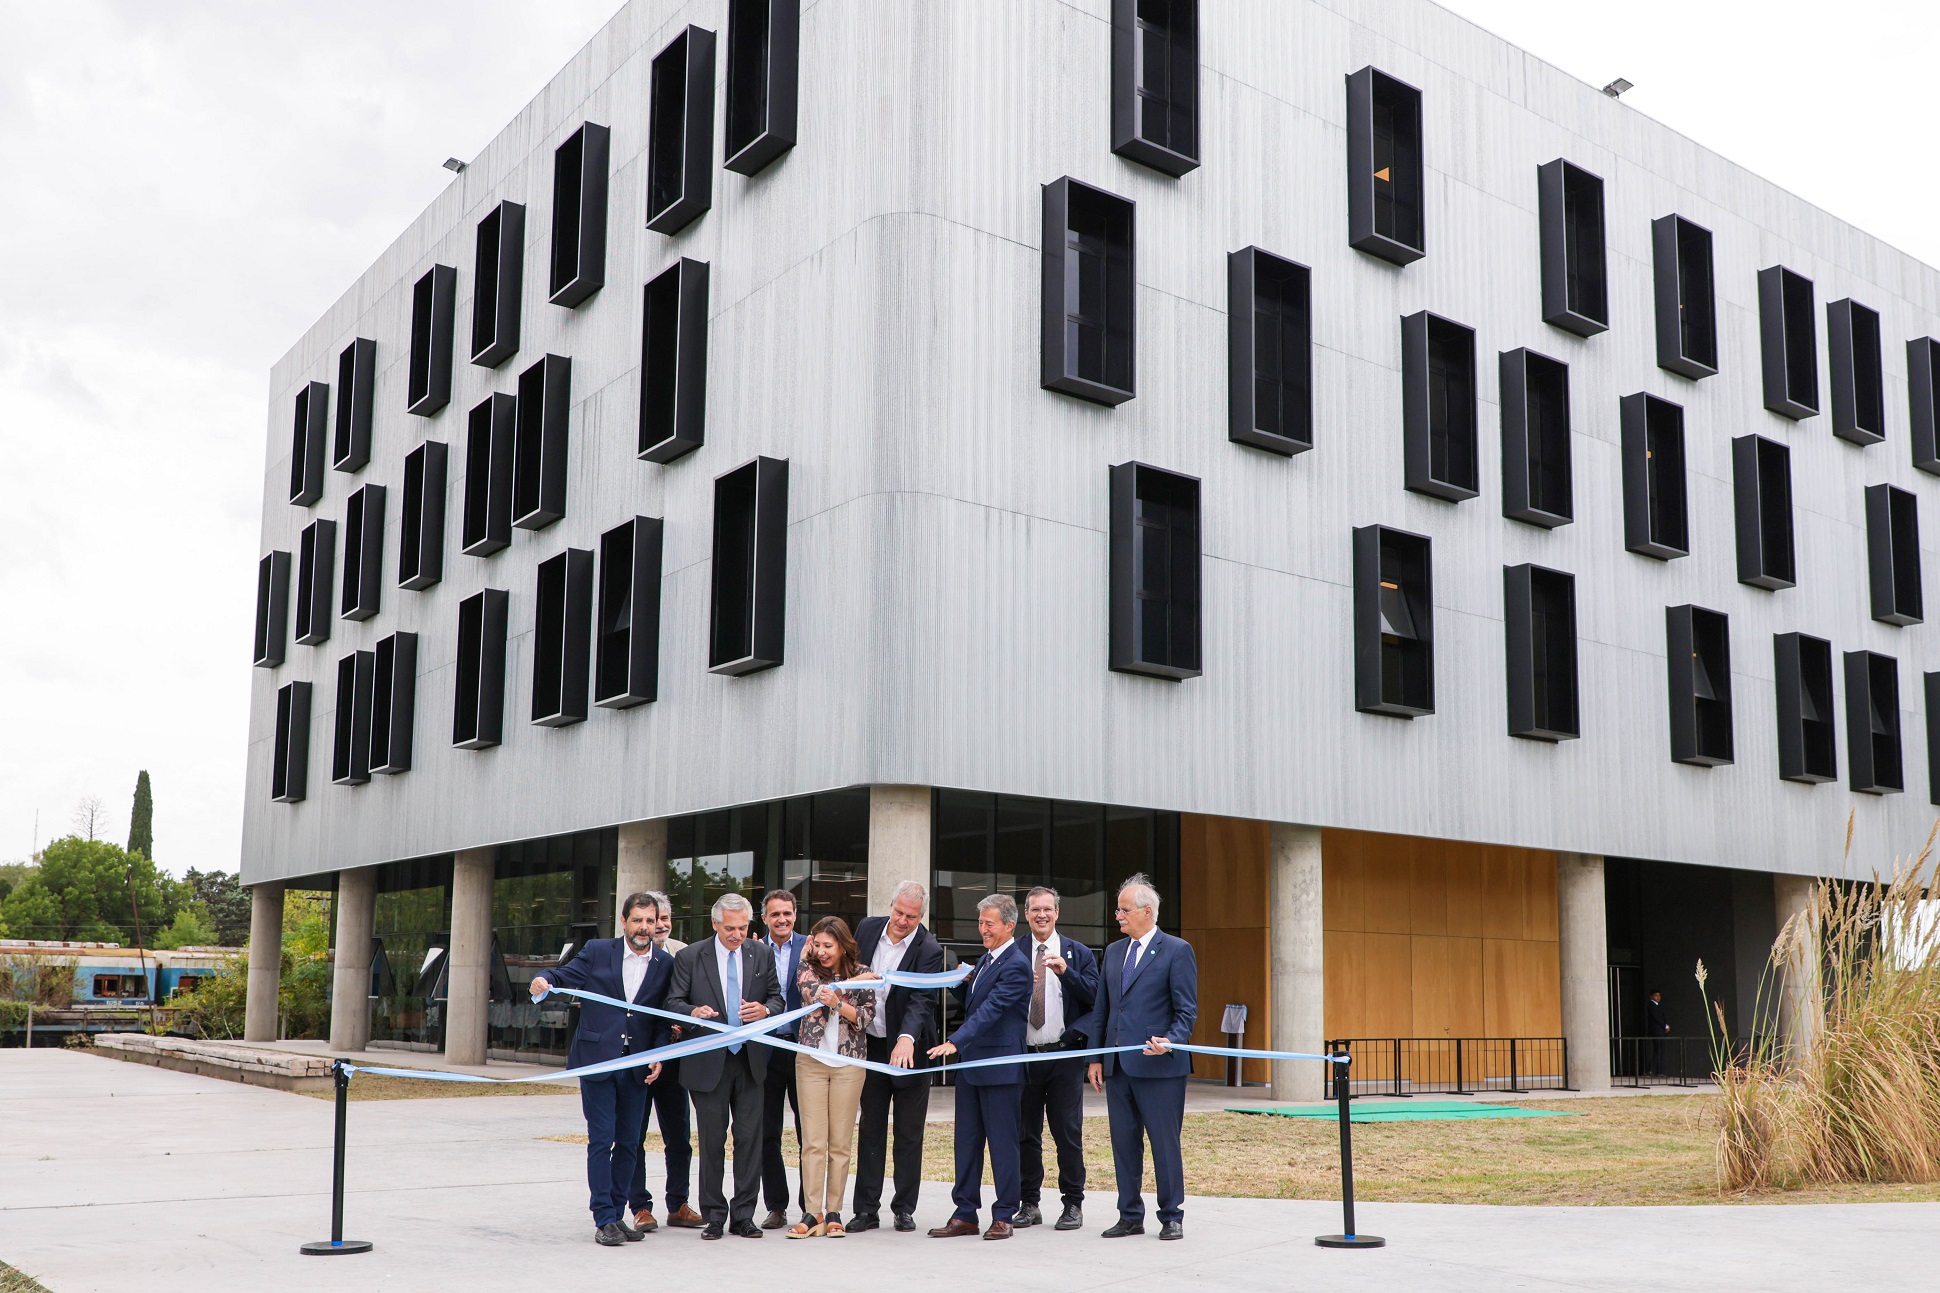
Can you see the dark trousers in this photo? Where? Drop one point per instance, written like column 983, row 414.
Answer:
column 911, row 1098
column 986, row 1114
column 1144, row 1109
column 615, row 1104
column 1657, row 1055
column 1053, row 1089
column 780, row 1087
column 736, row 1100
column 667, row 1101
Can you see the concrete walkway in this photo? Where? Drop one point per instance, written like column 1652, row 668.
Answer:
column 116, row 1176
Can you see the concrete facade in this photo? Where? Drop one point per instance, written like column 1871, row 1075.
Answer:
column 1583, row 951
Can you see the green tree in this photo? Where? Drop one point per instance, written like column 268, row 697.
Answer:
column 87, row 889
column 141, row 822
column 225, row 901
column 190, row 928
column 307, row 965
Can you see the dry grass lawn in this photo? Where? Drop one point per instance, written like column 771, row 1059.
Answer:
column 13, row 1281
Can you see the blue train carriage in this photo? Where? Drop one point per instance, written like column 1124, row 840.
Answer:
column 108, row 979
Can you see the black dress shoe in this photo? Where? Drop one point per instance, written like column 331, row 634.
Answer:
column 1028, row 1215
column 1172, row 1230
column 904, row 1221
column 1073, row 1218
column 863, row 1221
column 746, row 1229
column 1124, row 1228
column 632, row 1234
column 775, row 1220
column 609, row 1235
column 712, row 1230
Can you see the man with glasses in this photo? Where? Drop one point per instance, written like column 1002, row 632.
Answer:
column 1064, row 986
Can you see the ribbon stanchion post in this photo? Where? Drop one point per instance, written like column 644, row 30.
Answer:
column 337, row 1243
column 1347, row 1238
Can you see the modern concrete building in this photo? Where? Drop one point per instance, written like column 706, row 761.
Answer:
column 1457, row 534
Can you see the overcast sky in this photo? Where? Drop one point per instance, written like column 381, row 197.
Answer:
column 185, row 187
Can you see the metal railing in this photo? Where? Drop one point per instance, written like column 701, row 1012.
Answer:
column 1405, row 1066
column 1661, row 1061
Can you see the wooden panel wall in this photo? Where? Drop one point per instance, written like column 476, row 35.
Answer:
column 1222, row 913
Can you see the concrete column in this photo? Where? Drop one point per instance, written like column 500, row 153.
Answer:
column 1583, row 936
column 469, row 1000
column 899, row 841
column 265, row 961
column 642, row 865
column 350, row 983
column 1298, row 993
column 1799, row 981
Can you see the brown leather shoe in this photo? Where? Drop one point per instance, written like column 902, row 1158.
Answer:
column 685, row 1217
column 643, row 1220
column 998, row 1230
column 957, row 1226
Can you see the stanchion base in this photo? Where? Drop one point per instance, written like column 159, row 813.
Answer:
column 1350, row 1241
column 332, row 1247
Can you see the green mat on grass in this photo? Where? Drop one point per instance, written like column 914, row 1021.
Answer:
column 1400, row 1111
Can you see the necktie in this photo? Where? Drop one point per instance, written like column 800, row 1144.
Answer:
column 734, row 997
column 1131, row 959
column 1037, row 989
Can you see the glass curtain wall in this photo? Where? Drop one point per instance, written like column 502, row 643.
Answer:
column 412, row 917
column 816, row 846
column 549, row 897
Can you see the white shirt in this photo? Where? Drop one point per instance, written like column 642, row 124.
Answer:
column 731, row 1014
column 633, row 968
column 889, row 956
column 1053, row 1029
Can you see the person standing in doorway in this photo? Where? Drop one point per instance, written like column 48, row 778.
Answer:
column 1657, row 1026
column 1064, row 986
column 784, row 943
column 667, row 1102
column 901, row 1035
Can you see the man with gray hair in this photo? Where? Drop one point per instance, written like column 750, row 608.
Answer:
column 901, row 1035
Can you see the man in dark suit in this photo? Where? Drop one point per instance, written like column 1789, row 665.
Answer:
column 995, row 1000
column 1657, row 1026
column 1064, row 987
column 667, row 1102
column 784, row 942
column 1149, row 995
column 729, row 978
column 902, row 1034
column 629, row 968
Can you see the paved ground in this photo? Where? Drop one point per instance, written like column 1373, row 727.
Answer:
column 116, row 1176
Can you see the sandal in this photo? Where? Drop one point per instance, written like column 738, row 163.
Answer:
column 805, row 1229
column 832, row 1226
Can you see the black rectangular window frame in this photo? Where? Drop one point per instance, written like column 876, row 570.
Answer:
column 1090, row 281
column 1687, row 304
column 1855, row 347
column 1155, row 83
column 673, row 362
column 1438, row 407
column 1394, row 623
column 498, row 275
column 1269, row 352
column 1873, row 758
column 421, row 526
column 539, row 447
column 680, row 132
column 1762, row 491
column 1385, row 183
column 1155, row 594
column 1576, row 281
column 307, row 443
column 478, row 705
column 1932, row 683
column 356, row 380
column 1698, row 652
column 1539, row 632
column 394, row 701
column 1656, row 520
column 316, row 578
column 562, row 638
column 748, row 587
column 289, row 767
column 1893, row 554
column 350, row 753
column 1788, row 343
column 1808, row 735
column 491, row 434
column 363, row 553
column 1536, row 477
column 579, row 185
column 763, row 67
column 1923, row 402
column 272, row 610
column 433, row 307
column 626, row 668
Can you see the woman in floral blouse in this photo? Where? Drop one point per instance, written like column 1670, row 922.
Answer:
column 828, row 1090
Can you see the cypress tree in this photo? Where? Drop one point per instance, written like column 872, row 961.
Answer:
column 141, row 822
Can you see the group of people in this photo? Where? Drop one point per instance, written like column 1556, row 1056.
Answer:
column 1033, row 992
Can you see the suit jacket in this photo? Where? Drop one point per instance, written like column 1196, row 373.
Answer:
column 1656, row 1023
column 787, row 971
column 697, row 982
column 1161, row 1001
column 906, row 1010
column 1079, row 983
column 607, row 1032
column 996, row 1001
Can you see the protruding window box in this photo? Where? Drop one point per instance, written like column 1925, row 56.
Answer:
column 763, row 65
column 363, row 552
column 1858, row 382
column 579, row 181
column 1155, row 83
column 1687, row 307
column 350, row 756
column 1269, row 352
column 1539, row 626
column 1873, row 723
column 497, row 285
column 1762, row 472
column 1088, row 317
column 1384, row 167
column 673, row 362
column 272, row 610
column 539, row 452
column 626, row 670
column 421, row 537
column 1155, row 572
column 289, row 769
column 1655, row 521
column 307, row 443
column 316, row 575
column 1933, row 737
column 1893, row 554
column 1923, row 402
column 1438, row 413
column 748, row 600
column 1576, row 294
column 491, row 435
column 1699, row 655
column 1788, row 343
column 1536, row 439
column 433, row 307
column 1808, row 741
column 478, row 707
column 1394, row 610
column 394, row 693
column 356, row 381
column 561, row 638
column 680, row 132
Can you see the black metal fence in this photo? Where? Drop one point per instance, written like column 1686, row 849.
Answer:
column 1661, row 1061
column 1404, row 1066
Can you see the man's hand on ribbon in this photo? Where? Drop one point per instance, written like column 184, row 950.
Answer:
column 903, row 1054
column 947, row 1048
